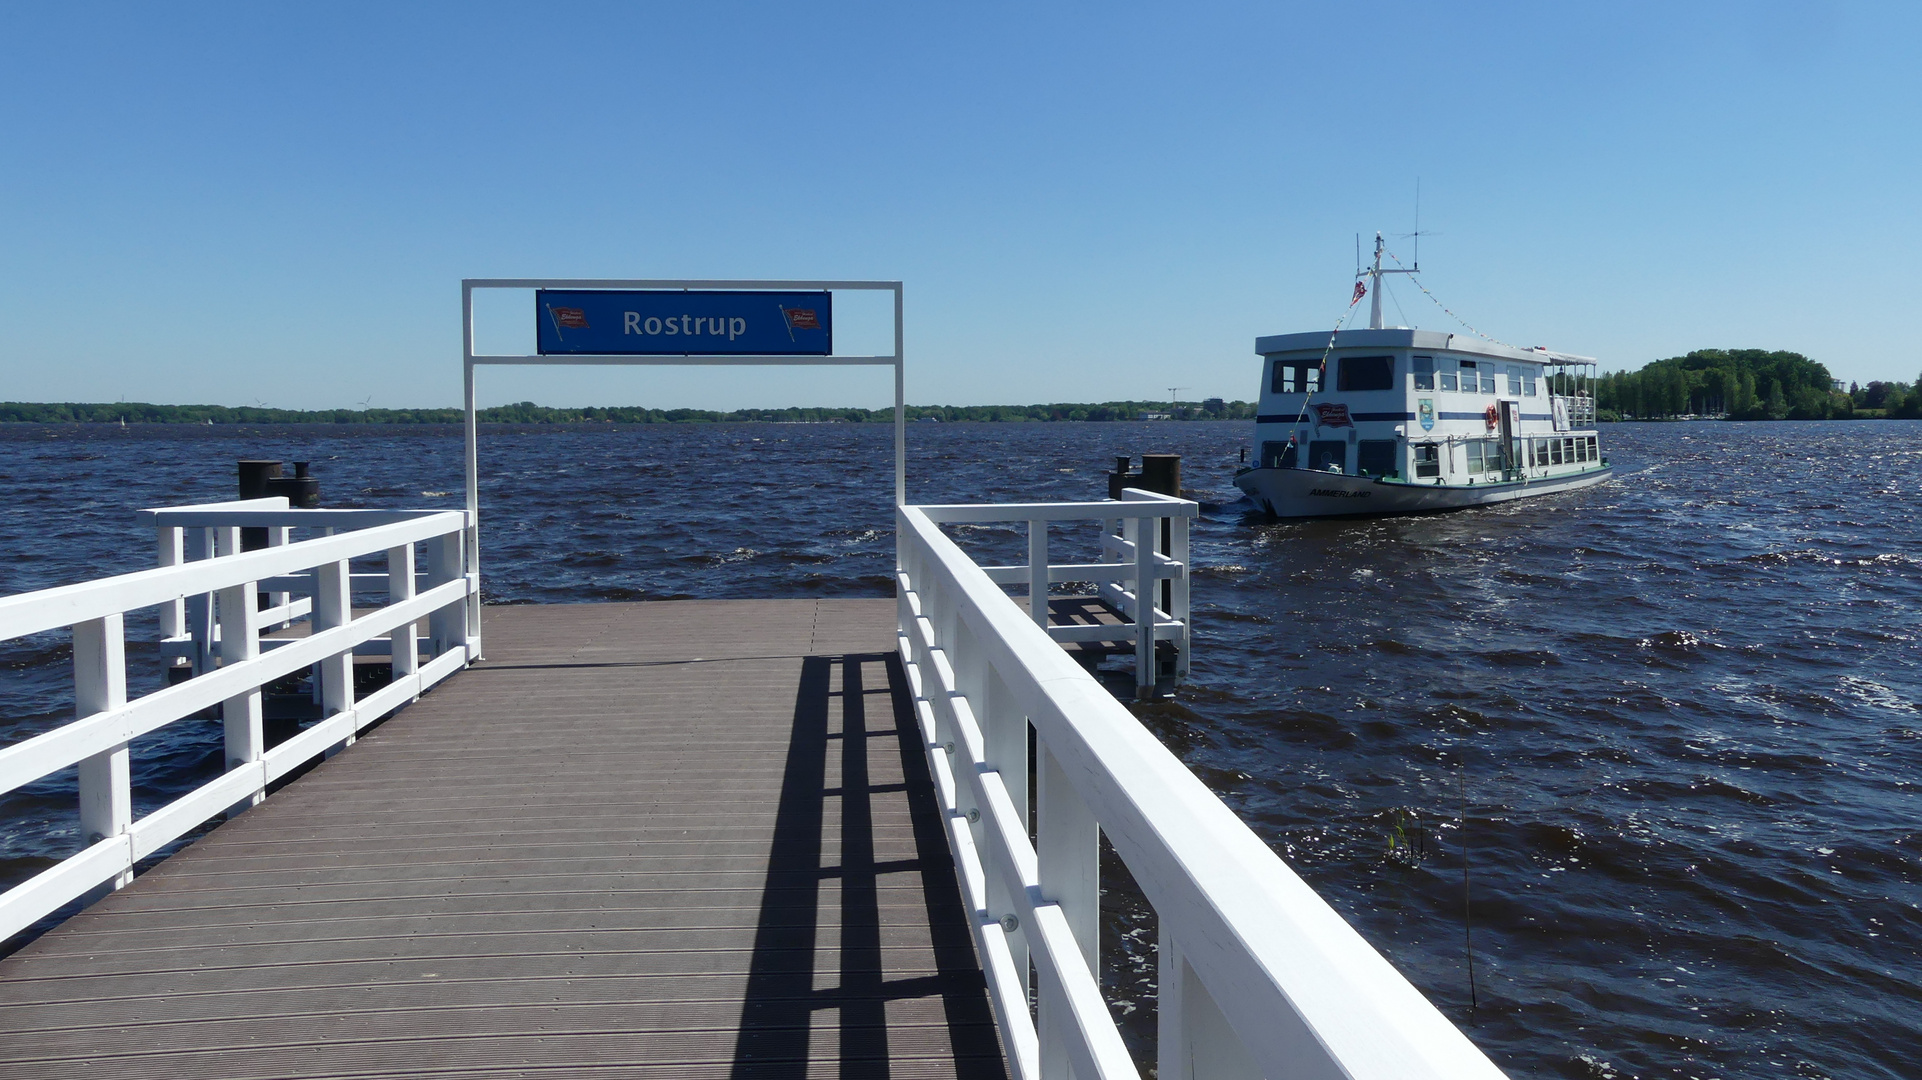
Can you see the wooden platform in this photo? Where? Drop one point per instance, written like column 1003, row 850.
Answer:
column 688, row 839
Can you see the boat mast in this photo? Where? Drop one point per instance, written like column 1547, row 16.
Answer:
column 1374, row 274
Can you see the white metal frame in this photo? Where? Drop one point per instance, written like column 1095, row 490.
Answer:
column 470, row 360
column 1258, row 975
column 226, row 585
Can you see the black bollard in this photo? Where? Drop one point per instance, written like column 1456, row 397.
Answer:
column 255, row 476
column 260, row 479
column 1161, row 473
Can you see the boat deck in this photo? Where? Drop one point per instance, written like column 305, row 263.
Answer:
column 688, row 839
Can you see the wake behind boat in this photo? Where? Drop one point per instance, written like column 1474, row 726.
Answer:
column 1399, row 421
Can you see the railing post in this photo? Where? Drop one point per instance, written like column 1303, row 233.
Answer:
column 1004, row 736
column 470, row 604
column 447, row 626
column 278, row 535
column 1068, row 855
column 239, row 612
column 1193, row 1039
column 333, row 607
column 170, row 550
column 1144, row 538
column 1178, row 550
column 404, row 641
column 1038, row 572
column 100, row 685
column 200, row 607
column 958, row 646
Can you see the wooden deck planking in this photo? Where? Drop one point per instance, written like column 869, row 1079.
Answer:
column 691, row 838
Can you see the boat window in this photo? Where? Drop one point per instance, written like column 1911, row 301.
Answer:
column 1424, row 372
column 1278, row 454
column 1296, row 377
column 1328, row 455
column 1448, row 375
column 1528, row 384
column 1514, row 380
column 1366, row 373
column 1474, row 449
column 1568, row 451
column 1427, row 460
column 1594, row 451
column 1488, row 378
column 1376, row 457
column 1554, row 451
column 1541, row 452
column 1468, row 376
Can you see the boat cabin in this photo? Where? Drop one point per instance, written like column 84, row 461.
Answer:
column 1424, row 407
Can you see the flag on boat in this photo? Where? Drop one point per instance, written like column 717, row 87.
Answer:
column 1361, row 290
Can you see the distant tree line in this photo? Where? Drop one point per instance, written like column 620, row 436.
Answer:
column 526, row 412
column 1746, row 384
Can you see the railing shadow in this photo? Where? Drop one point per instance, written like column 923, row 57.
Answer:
column 780, row 1033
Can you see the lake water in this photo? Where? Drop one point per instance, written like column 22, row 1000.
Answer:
column 1670, row 722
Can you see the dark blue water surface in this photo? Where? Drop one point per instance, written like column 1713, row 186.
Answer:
column 1670, row 721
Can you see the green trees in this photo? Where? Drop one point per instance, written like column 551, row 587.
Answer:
column 1892, row 399
column 1742, row 384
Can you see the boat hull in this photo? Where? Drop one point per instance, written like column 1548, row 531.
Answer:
column 1301, row 493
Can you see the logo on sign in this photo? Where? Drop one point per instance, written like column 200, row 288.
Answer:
column 1425, row 412
column 800, row 318
column 1332, row 416
column 567, row 318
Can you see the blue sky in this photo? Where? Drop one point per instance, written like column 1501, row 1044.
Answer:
column 276, row 203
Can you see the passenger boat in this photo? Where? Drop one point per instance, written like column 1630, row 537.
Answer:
column 1391, row 420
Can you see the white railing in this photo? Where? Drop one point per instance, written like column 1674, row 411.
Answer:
column 215, row 600
column 1258, row 975
column 1162, row 560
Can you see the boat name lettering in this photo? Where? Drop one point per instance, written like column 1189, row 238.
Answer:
column 1337, row 493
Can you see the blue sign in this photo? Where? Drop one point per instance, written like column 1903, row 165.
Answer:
column 675, row 323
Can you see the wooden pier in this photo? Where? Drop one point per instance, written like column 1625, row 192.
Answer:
column 689, row 839
column 753, row 838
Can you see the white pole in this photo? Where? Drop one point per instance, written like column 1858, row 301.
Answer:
column 900, row 407
column 472, row 540
column 1374, row 282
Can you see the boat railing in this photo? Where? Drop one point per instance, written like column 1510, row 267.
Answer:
column 1574, row 382
column 1258, row 976
column 215, row 603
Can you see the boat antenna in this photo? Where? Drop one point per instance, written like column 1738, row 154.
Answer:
column 1374, row 274
column 1418, row 224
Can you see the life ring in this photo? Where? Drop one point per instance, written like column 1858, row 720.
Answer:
column 1492, row 415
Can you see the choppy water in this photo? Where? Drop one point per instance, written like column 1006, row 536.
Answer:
column 1672, row 720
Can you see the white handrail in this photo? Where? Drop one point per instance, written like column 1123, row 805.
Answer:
column 1258, row 975
column 227, row 586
